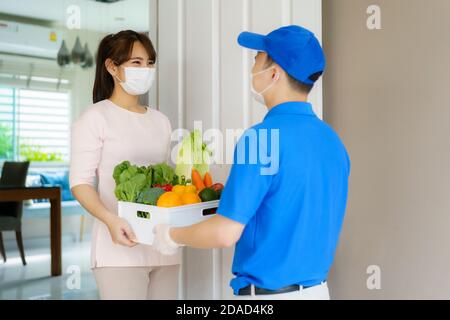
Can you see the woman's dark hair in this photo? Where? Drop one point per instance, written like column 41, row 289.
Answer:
column 117, row 47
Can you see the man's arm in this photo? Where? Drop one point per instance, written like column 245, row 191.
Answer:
column 234, row 212
column 216, row 232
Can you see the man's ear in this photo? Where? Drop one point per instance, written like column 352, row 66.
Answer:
column 277, row 74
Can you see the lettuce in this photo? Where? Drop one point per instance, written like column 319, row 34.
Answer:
column 164, row 174
column 119, row 169
column 193, row 153
column 148, row 172
column 129, row 190
column 133, row 183
column 130, row 180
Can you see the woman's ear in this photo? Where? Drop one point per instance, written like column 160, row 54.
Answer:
column 111, row 67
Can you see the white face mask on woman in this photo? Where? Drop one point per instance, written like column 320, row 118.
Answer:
column 138, row 81
column 258, row 96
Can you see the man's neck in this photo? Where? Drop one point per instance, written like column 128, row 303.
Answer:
column 272, row 102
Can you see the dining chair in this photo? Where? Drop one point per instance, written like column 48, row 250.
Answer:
column 14, row 174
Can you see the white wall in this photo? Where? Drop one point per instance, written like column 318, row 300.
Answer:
column 204, row 75
column 82, row 80
column 98, row 16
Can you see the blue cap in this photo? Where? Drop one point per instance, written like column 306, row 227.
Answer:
column 293, row 48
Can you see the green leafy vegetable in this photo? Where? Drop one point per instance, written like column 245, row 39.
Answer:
column 148, row 171
column 119, row 169
column 163, row 174
column 130, row 180
column 193, row 153
column 128, row 190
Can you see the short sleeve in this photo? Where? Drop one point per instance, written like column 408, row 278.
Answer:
column 249, row 180
column 86, row 147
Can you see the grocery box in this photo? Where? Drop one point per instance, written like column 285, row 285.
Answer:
column 143, row 218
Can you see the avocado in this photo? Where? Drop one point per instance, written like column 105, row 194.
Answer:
column 208, row 194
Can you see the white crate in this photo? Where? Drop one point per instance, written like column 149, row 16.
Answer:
column 144, row 218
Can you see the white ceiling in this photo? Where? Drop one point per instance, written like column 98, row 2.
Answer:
column 103, row 17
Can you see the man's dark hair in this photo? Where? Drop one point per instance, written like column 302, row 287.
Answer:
column 296, row 84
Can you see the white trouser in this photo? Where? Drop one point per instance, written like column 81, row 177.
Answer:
column 319, row 292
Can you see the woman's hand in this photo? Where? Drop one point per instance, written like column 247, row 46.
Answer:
column 119, row 229
column 121, row 232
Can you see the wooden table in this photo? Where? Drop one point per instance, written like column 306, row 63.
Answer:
column 53, row 193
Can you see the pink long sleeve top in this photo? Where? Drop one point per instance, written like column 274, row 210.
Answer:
column 104, row 136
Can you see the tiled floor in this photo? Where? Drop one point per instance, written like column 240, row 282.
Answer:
column 33, row 281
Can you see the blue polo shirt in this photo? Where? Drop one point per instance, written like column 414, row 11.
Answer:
column 288, row 186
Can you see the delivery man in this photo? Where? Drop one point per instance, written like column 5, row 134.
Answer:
column 285, row 219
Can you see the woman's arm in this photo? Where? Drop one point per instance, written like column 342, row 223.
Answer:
column 86, row 149
column 119, row 229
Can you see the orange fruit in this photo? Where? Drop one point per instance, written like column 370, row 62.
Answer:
column 190, row 198
column 169, row 200
column 190, row 189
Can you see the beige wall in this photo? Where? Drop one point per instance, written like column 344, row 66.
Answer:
column 386, row 93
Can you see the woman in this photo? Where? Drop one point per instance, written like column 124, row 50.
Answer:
column 117, row 128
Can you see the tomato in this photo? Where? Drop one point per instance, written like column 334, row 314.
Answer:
column 166, row 187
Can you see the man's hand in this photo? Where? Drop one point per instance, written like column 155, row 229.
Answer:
column 162, row 242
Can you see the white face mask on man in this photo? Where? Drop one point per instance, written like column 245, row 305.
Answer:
column 258, row 96
column 137, row 81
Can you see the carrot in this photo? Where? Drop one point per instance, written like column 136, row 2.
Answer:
column 197, row 180
column 208, row 180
